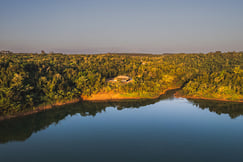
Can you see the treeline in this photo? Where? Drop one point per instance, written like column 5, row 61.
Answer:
column 30, row 80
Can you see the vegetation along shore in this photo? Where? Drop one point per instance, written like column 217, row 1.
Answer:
column 29, row 81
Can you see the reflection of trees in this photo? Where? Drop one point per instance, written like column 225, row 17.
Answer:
column 22, row 128
column 234, row 109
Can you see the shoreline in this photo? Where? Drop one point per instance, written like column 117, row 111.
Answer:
column 104, row 97
column 83, row 98
column 110, row 96
column 177, row 95
column 38, row 109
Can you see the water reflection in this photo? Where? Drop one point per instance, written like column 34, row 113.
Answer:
column 20, row 129
column 233, row 109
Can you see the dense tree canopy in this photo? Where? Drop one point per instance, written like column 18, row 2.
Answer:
column 30, row 80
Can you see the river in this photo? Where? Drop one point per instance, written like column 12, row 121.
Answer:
column 163, row 129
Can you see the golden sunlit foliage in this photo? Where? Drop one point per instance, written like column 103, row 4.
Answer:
column 28, row 80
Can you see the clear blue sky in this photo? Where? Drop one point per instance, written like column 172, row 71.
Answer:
column 91, row 26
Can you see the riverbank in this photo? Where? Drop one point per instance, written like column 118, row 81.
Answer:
column 38, row 109
column 111, row 96
column 103, row 97
column 100, row 97
column 178, row 94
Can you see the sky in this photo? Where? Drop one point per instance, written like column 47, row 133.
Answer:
column 100, row 26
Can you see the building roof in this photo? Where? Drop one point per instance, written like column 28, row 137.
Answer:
column 122, row 77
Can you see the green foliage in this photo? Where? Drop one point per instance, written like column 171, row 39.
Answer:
column 28, row 80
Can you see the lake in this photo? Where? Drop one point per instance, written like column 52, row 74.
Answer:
column 164, row 129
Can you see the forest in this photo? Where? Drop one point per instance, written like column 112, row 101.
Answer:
column 28, row 81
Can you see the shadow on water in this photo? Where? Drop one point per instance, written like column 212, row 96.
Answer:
column 20, row 129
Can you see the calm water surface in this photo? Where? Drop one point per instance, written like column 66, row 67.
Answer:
column 165, row 129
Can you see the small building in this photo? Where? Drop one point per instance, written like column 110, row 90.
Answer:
column 121, row 78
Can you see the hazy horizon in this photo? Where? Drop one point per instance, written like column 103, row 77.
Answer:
column 135, row 26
